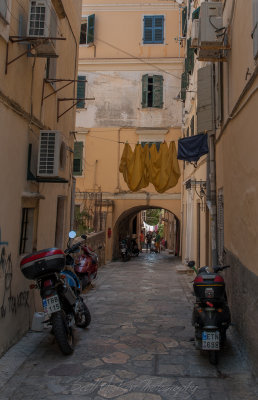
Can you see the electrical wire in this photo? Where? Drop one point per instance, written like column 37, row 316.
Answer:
column 137, row 58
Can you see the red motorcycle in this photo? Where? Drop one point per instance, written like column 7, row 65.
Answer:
column 86, row 264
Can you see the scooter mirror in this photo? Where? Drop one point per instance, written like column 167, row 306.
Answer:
column 84, row 237
column 72, row 235
column 191, row 264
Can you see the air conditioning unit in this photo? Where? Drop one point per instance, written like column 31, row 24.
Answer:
column 42, row 25
column 211, row 30
column 49, row 154
column 195, row 33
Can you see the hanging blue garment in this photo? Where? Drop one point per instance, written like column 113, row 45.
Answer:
column 193, row 147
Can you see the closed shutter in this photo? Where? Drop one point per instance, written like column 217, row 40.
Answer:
column 158, row 91
column 255, row 29
column 3, row 8
column 190, row 56
column 159, row 29
column 205, row 100
column 81, row 91
column 91, row 29
column 145, row 91
column 184, row 85
column 184, row 21
column 77, row 158
column 153, row 31
column 148, row 27
column 196, row 13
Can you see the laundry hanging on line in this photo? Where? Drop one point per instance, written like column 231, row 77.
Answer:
column 147, row 165
column 193, row 147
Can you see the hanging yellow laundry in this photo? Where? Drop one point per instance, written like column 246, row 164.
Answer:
column 144, row 182
column 155, row 162
column 135, row 169
column 125, row 160
column 172, row 171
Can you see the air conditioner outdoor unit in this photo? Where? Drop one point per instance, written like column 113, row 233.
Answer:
column 195, row 33
column 211, row 31
column 49, row 154
column 42, row 25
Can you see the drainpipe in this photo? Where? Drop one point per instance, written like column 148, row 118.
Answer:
column 211, row 180
column 118, row 159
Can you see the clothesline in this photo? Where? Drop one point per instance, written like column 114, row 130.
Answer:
column 123, row 142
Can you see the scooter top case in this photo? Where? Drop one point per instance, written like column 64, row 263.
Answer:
column 209, row 286
column 43, row 262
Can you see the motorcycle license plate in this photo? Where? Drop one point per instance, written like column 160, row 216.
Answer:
column 51, row 304
column 210, row 340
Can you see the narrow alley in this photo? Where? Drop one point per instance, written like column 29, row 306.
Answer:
column 139, row 345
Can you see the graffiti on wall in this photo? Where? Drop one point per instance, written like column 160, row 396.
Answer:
column 10, row 302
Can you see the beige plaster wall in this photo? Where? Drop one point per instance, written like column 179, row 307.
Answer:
column 22, row 115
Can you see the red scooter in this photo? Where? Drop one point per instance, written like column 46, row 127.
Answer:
column 86, row 264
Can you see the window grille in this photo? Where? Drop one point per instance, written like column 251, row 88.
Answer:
column 26, row 239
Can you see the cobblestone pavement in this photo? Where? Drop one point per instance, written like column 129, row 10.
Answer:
column 138, row 347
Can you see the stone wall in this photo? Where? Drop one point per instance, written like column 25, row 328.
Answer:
column 95, row 240
column 243, row 301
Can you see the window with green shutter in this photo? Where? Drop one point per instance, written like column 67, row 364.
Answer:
column 81, row 91
column 78, row 158
column 91, row 29
column 184, row 21
column 152, row 91
column 196, row 13
column 184, row 85
column 190, row 57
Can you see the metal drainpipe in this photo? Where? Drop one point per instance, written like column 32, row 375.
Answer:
column 211, row 178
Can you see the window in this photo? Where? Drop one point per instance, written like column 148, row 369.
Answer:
column 81, row 85
column 153, row 31
column 5, row 15
column 184, row 21
column 26, row 240
column 152, row 91
column 87, row 30
column 3, row 9
column 78, row 158
column 192, row 126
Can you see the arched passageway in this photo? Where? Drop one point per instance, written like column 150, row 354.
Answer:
column 129, row 224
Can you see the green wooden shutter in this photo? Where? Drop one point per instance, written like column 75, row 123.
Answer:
column 81, row 91
column 90, row 29
column 77, row 158
column 145, row 91
column 184, row 21
column 184, row 85
column 158, row 91
column 190, row 57
column 196, row 13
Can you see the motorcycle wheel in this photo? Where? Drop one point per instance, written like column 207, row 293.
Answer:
column 213, row 357
column 63, row 333
column 83, row 318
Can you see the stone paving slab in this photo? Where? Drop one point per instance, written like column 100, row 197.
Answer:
column 138, row 347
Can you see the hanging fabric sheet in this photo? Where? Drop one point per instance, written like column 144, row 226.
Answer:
column 193, row 147
column 147, row 165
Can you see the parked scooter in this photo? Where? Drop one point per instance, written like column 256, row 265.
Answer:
column 124, row 251
column 60, row 293
column 211, row 315
column 86, row 264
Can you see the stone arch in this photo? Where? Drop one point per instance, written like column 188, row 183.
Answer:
column 126, row 216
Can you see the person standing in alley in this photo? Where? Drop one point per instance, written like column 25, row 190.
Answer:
column 142, row 240
column 157, row 242
column 148, row 241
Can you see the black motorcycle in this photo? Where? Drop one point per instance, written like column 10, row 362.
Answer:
column 211, row 315
column 134, row 250
column 60, row 293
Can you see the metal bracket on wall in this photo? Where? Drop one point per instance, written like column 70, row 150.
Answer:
column 77, row 100
column 34, row 42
